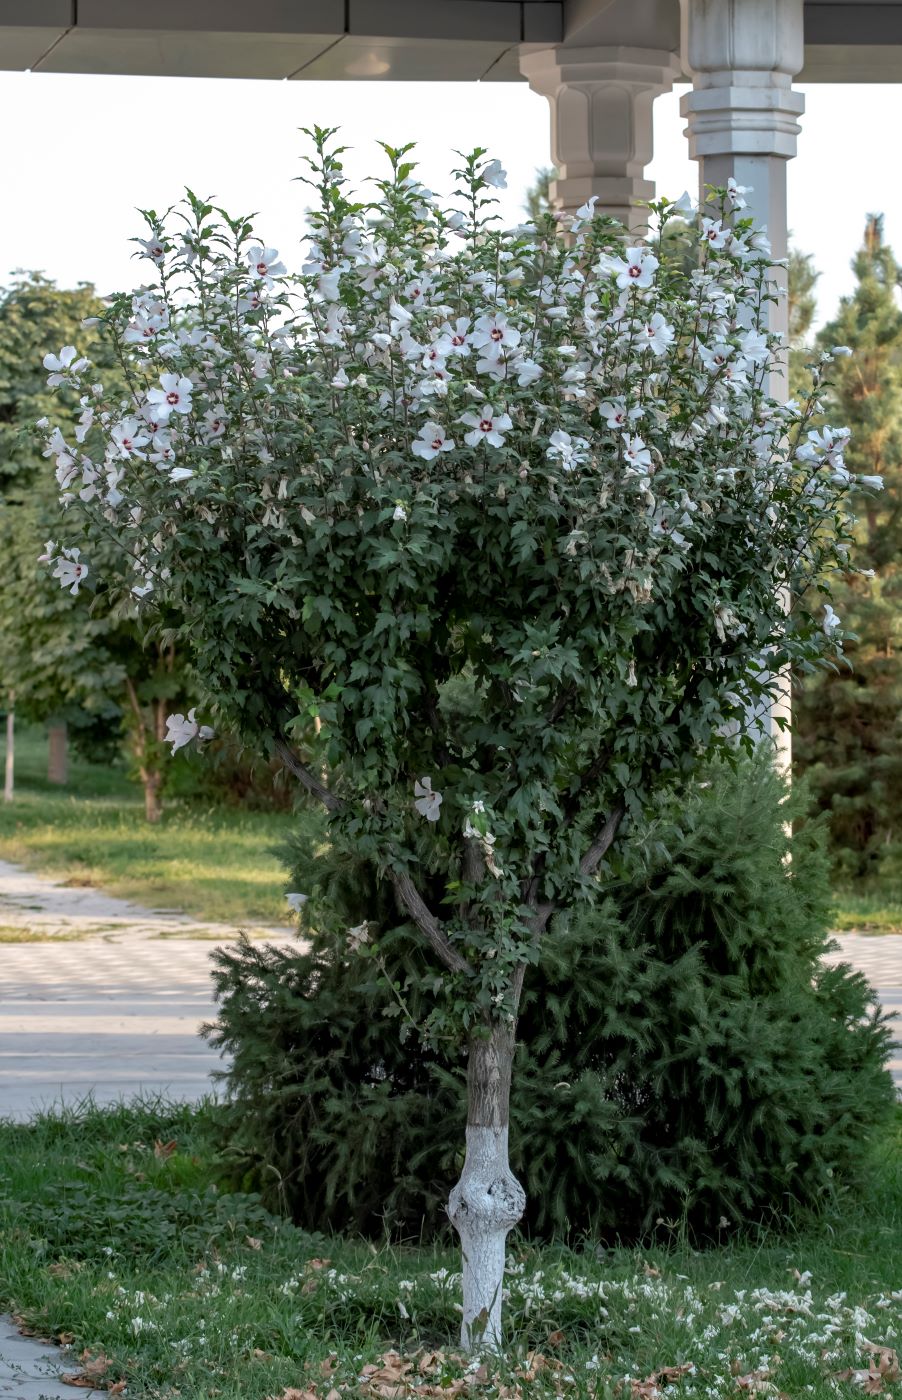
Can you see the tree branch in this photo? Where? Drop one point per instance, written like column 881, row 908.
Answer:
column 602, row 843
column 307, row 779
column 427, row 923
column 407, row 892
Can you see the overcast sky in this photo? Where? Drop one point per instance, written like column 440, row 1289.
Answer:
column 81, row 153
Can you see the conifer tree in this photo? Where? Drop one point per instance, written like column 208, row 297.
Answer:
column 847, row 722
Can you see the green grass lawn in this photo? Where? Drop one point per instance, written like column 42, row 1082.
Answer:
column 876, row 910
column 211, row 861
column 114, row 1237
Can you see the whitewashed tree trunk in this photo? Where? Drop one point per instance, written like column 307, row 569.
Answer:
column 488, row 1200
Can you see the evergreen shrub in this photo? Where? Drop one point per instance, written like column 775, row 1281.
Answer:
column 684, row 1057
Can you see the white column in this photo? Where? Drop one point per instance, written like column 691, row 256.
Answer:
column 742, row 121
column 742, row 113
column 601, row 122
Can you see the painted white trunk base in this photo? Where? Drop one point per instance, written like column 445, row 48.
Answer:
column 484, row 1206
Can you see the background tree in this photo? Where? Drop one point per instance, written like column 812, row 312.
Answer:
column 802, row 281
column 848, row 723
column 538, row 197
column 84, row 665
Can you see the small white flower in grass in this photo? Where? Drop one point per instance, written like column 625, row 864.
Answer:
column 264, row 262
column 427, row 802
column 656, row 334
column 70, row 570
column 296, row 900
column 174, row 396
column 63, row 365
column 636, row 269
column 431, row 441
column 486, row 426
column 831, row 621
column 182, row 729
column 495, row 175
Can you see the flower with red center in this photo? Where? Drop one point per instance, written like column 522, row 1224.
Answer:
column 173, row 397
column 486, row 426
column 636, row 269
column 431, row 442
column 493, row 335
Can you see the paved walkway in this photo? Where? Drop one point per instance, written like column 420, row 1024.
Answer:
column 119, row 1014
column 879, row 957
column 29, row 1368
column 40, row 905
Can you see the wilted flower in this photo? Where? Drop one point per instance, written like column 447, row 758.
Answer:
column 182, row 729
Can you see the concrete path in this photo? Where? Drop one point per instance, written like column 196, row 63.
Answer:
column 39, row 905
column 879, row 957
column 29, row 1368
column 111, row 1016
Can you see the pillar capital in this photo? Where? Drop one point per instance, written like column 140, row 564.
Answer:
column 601, row 121
column 743, row 56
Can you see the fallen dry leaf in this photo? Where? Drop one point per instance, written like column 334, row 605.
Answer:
column 869, row 1382
column 252, row 1242
column 163, row 1150
column 117, row 1389
column 650, row 1271
column 555, row 1338
column 292, row 1394
column 93, row 1370
column 887, row 1360
column 756, row 1383
column 317, row 1263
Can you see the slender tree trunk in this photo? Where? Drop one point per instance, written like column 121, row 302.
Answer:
column 153, row 801
column 488, row 1200
column 9, row 785
column 58, row 755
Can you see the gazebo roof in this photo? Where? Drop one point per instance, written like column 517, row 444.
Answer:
column 845, row 40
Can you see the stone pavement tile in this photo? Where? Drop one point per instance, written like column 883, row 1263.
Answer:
column 29, row 1368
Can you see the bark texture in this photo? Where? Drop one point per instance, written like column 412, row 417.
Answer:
column 488, row 1200
column 58, row 755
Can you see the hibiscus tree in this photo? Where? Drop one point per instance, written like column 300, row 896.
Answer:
column 511, row 515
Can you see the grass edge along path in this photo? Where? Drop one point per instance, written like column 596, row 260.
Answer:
column 115, row 1238
column 213, row 862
